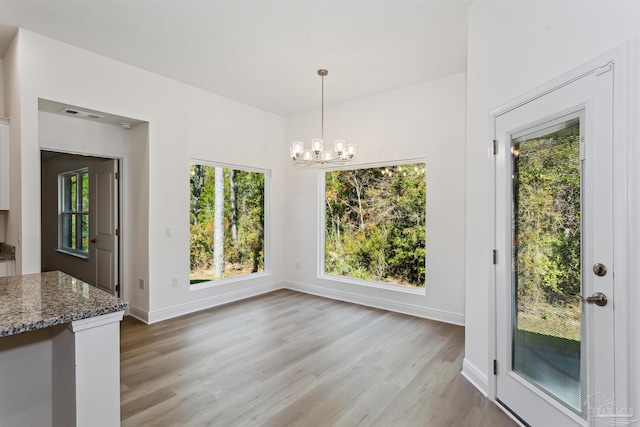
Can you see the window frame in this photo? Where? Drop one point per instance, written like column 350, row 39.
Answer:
column 321, row 270
column 266, row 226
column 77, row 212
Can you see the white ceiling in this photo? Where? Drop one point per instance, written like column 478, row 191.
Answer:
column 262, row 53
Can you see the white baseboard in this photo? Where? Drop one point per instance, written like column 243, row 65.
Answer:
column 141, row 315
column 475, row 376
column 399, row 307
column 193, row 306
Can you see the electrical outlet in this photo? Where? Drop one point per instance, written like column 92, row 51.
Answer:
column 168, row 232
column 141, row 284
column 174, row 281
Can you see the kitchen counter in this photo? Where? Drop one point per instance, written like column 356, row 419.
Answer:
column 7, row 252
column 36, row 301
column 59, row 352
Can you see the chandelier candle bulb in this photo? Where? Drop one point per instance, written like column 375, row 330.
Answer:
column 341, row 153
column 297, row 148
column 316, row 145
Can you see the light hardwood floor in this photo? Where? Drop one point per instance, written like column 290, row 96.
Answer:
column 291, row 359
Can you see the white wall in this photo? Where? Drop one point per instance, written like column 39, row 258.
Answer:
column 513, row 47
column 1, row 87
column 183, row 123
column 138, row 207
column 422, row 121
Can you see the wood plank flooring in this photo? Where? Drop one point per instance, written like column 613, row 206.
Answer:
column 291, row 359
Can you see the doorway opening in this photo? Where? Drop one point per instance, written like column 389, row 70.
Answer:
column 80, row 218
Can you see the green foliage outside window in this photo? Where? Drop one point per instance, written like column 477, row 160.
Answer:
column 375, row 224
column 547, row 234
column 241, row 227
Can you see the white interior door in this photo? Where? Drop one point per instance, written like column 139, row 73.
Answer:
column 554, row 238
column 104, row 243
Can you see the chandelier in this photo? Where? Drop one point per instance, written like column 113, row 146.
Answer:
column 317, row 154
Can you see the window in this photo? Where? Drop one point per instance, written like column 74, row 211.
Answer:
column 227, row 222
column 374, row 224
column 74, row 212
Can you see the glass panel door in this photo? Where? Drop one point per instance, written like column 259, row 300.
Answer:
column 546, row 259
column 554, row 215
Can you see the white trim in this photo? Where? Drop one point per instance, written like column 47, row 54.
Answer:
column 193, row 306
column 93, row 322
column 398, row 307
column 370, row 283
column 491, row 306
column 139, row 314
column 214, row 283
column 624, row 244
column 71, row 252
column 475, row 376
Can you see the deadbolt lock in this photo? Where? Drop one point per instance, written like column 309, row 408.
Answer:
column 599, row 269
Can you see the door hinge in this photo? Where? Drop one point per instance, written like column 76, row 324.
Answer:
column 495, row 367
column 495, row 146
column 118, row 288
column 117, row 231
column 495, row 256
column 117, row 175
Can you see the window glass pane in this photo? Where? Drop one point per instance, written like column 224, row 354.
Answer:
column 375, row 224
column 546, row 261
column 226, row 222
column 84, row 244
column 69, row 230
column 85, row 192
column 66, row 191
column 73, row 192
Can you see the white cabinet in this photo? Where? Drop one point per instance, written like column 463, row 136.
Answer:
column 4, row 164
column 7, row 268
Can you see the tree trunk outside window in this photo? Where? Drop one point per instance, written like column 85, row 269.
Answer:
column 218, row 225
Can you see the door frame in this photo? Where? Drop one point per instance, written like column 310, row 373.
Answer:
column 123, row 196
column 623, row 243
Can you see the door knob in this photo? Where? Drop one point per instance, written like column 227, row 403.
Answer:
column 93, row 240
column 598, row 298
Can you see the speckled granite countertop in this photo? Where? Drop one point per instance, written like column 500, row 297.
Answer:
column 7, row 252
column 36, row 301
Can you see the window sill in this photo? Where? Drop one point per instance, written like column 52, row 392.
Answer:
column 81, row 255
column 214, row 283
column 379, row 285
